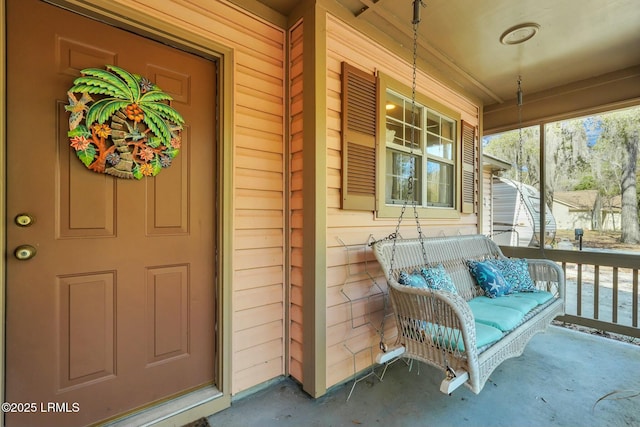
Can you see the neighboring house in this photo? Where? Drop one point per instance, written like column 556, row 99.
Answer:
column 587, row 210
column 226, row 271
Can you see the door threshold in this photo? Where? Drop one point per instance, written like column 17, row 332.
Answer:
column 181, row 410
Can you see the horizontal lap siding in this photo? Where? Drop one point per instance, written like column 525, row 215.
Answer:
column 487, row 211
column 258, row 177
column 351, row 293
column 296, row 205
column 258, row 347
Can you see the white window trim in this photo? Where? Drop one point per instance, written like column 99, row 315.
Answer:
column 384, row 210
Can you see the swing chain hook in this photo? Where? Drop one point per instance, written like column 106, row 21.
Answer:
column 416, row 11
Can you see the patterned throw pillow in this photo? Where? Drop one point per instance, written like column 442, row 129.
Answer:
column 414, row 279
column 489, row 278
column 516, row 273
column 438, row 278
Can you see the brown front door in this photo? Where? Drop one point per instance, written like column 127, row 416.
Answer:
column 116, row 309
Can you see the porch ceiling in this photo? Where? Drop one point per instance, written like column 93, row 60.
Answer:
column 577, row 39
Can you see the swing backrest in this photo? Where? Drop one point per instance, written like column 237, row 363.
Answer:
column 452, row 252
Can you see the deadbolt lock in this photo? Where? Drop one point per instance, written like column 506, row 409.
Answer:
column 24, row 220
column 25, row 252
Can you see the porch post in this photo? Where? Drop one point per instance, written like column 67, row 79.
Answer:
column 314, row 201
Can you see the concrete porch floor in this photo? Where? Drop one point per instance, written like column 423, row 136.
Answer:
column 558, row 381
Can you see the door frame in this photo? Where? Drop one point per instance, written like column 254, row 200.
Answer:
column 219, row 397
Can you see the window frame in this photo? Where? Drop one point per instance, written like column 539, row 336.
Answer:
column 384, row 210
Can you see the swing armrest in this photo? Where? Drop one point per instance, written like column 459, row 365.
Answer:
column 547, row 275
column 430, row 320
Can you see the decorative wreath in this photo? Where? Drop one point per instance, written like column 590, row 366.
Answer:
column 129, row 131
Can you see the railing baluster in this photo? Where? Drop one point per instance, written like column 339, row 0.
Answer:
column 596, row 292
column 579, row 291
column 634, row 298
column 614, row 303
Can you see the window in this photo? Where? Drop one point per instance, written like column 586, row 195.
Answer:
column 419, row 141
column 427, row 155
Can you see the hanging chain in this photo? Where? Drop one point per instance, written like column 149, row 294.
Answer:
column 519, row 166
column 449, row 372
column 416, row 21
column 412, row 142
column 519, row 160
column 412, row 169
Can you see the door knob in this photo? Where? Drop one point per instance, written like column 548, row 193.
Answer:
column 24, row 220
column 25, row 252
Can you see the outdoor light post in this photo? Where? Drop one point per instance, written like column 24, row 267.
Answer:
column 579, row 233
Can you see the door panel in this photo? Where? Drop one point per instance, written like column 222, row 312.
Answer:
column 86, row 203
column 116, row 310
column 87, row 312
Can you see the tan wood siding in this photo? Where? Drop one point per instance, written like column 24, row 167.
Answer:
column 487, row 205
column 258, row 176
column 344, row 330
column 296, row 197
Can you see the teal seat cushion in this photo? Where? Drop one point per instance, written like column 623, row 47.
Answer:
column 515, row 301
column 503, row 318
column 485, row 335
column 539, row 297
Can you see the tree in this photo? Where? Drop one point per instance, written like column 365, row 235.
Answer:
column 566, row 156
column 521, row 153
column 619, row 146
column 598, row 152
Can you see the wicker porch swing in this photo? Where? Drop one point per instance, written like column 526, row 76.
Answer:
column 435, row 323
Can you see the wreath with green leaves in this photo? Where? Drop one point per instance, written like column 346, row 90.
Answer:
column 122, row 123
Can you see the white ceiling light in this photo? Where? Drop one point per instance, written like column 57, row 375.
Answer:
column 519, row 33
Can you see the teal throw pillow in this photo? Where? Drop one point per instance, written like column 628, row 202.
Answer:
column 489, row 278
column 414, row 279
column 438, row 278
column 516, row 273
